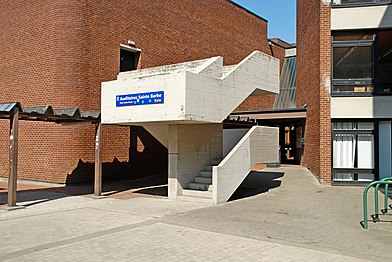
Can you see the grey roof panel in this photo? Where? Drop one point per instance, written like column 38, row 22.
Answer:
column 287, row 96
column 8, row 107
column 45, row 110
column 91, row 114
column 72, row 112
column 48, row 113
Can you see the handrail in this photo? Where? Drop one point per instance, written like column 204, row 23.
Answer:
column 385, row 210
column 365, row 213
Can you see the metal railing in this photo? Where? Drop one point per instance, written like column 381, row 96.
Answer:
column 375, row 217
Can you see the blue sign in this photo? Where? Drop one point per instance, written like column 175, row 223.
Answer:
column 150, row 98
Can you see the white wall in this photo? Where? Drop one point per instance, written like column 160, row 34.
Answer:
column 231, row 137
column 361, row 17
column 172, row 109
column 290, row 52
column 193, row 150
column 361, row 107
column 194, row 92
column 259, row 145
column 160, row 132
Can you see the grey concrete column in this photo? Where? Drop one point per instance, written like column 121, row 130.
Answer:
column 173, row 162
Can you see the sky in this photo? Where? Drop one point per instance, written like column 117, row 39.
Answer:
column 281, row 16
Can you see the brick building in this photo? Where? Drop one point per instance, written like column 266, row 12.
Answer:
column 344, row 64
column 58, row 53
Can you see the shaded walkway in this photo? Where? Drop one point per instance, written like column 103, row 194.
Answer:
column 30, row 194
column 257, row 182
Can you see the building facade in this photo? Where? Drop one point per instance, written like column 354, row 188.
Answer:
column 72, row 46
column 344, row 63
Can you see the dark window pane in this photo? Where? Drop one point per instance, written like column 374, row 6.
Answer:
column 353, row 2
column 352, row 62
column 353, row 126
column 358, row 2
column 384, row 89
column 128, row 60
column 345, row 36
column 384, row 66
column 352, row 88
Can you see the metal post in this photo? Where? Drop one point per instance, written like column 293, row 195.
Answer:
column 98, row 160
column 386, row 199
column 365, row 192
column 13, row 158
column 376, row 214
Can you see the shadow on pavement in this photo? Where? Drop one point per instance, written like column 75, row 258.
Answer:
column 31, row 195
column 160, row 190
column 257, row 182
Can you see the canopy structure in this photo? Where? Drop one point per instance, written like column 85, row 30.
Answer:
column 15, row 112
column 49, row 114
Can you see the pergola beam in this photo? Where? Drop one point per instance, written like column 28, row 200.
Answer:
column 13, row 157
column 66, row 116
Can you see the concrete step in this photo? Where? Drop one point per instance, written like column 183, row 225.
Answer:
column 197, row 194
column 208, row 168
column 203, row 180
column 215, row 162
column 199, row 186
column 195, row 199
column 206, row 174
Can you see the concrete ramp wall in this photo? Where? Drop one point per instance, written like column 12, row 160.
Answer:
column 259, row 145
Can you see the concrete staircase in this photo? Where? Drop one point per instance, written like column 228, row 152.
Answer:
column 201, row 188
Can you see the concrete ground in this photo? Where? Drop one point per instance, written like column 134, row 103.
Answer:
column 287, row 216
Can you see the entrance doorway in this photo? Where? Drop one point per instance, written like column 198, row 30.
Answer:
column 291, row 123
column 287, row 144
column 291, row 142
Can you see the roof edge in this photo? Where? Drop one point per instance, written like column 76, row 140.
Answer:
column 247, row 10
column 287, row 110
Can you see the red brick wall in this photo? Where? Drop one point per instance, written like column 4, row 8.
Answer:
column 313, row 80
column 58, row 52
column 281, row 42
column 325, row 98
column 255, row 103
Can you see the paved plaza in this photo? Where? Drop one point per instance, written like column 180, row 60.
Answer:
column 279, row 214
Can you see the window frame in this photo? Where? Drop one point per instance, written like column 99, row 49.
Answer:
column 355, row 171
column 357, row 81
column 374, row 3
column 130, row 49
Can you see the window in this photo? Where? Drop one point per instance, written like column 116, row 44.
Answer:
column 353, row 63
column 337, row 3
column 129, row 58
column 384, row 64
column 362, row 63
column 353, row 151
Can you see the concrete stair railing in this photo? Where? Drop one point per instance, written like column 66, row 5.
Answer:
column 259, row 145
column 203, row 91
column 219, row 180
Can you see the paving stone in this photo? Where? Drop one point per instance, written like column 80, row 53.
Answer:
column 291, row 217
